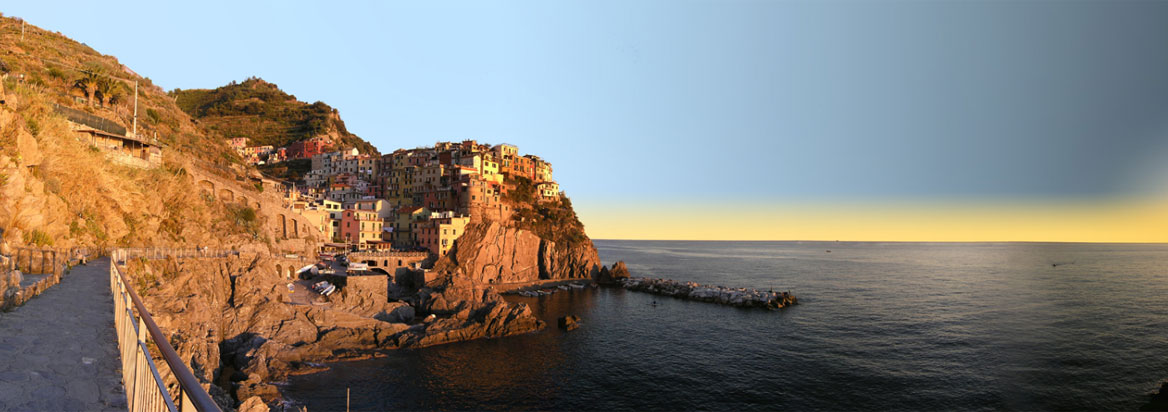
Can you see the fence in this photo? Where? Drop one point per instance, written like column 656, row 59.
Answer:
column 145, row 390
column 177, row 253
column 25, row 259
column 96, row 122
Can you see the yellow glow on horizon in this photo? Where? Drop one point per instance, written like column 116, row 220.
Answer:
column 1143, row 220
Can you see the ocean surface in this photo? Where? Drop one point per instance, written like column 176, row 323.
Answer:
column 881, row 326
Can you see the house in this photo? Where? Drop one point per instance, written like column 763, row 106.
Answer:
column 360, row 226
column 440, row 231
column 404, row 224
column 548, row 191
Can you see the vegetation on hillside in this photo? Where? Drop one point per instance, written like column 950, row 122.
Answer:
column 266, row 115
column 71, row 74
column 59, row 190
column 551, row 220
column 291, row 170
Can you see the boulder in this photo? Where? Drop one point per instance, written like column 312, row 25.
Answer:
column 253, row 404
column 569, row 322
column 607, row 276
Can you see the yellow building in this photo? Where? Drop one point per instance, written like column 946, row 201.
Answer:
column 439, row 233
column 404, row 224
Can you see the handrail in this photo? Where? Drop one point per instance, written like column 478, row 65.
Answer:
column 192, row 392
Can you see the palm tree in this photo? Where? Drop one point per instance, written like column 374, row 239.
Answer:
column 88, row 84
column 108, row 91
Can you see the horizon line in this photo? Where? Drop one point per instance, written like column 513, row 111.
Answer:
column 890, row 241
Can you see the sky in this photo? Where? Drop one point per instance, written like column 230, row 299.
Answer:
column 728, row 120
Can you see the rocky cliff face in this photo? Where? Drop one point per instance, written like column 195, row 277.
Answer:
column 466, row 310
column 230, row 320
column 493, row 253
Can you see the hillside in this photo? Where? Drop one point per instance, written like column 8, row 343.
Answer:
column 59, row 189
column 266, row 115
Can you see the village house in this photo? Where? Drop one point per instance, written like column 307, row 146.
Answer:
column 405, row 189
column 360, row 226
column 404, row 224
column 439, row 232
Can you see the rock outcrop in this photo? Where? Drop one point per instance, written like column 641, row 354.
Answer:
column 228, row 318
column 1158, row 401
column 614, row 275
column 493, row 253
column 569, row 322
column 469, row 310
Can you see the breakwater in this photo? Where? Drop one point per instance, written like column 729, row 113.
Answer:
column 739, row 297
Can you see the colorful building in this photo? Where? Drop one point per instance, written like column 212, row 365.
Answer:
column 439, row 233
column 360, row 226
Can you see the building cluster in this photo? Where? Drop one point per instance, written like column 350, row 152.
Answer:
column 258, row 155
column 420, row 198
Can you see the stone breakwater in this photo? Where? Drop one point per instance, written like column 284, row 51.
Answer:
column 739, row 297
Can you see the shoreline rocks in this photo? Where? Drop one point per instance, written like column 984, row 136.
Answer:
column 569, row 322
column 737, row 297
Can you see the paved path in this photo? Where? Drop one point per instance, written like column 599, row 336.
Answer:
column 58, row 351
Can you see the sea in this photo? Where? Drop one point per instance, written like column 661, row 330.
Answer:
column 880, row 326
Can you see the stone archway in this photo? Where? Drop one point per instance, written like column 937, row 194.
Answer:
column 226, row 195
column 207, row 187
column 280, row 271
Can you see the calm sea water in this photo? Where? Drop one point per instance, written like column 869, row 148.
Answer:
column 901, row 326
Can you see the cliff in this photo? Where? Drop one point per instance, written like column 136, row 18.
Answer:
column 493, row 253
column 236, row 328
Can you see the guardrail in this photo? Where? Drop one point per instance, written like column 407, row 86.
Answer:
column 145, row 390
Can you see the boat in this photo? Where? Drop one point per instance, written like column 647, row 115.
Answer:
column 576, row 286
column 329, row 290
column 562, row 287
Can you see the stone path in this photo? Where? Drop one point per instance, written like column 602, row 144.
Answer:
column 58, row 351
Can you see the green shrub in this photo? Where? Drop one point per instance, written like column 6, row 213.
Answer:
column 153, row 116
column 33, row 126
column 38, row 238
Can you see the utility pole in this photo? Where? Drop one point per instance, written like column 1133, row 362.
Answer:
column 135, row 108
column 21, row 29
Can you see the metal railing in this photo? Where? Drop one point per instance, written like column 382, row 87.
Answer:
column 145, row 390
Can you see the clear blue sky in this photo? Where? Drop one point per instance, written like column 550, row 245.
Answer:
column 647, row 103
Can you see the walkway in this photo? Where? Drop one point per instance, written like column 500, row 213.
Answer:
column 58, row 351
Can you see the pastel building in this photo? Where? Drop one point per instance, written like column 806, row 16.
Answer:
column 439, row 233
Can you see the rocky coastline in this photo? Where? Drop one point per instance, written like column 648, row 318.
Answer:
column 737, row 297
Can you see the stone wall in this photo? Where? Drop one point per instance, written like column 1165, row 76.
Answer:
column 375, row 285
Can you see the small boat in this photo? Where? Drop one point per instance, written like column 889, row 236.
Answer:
column 329, row 290
column 562, row 287
column 576, row 286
